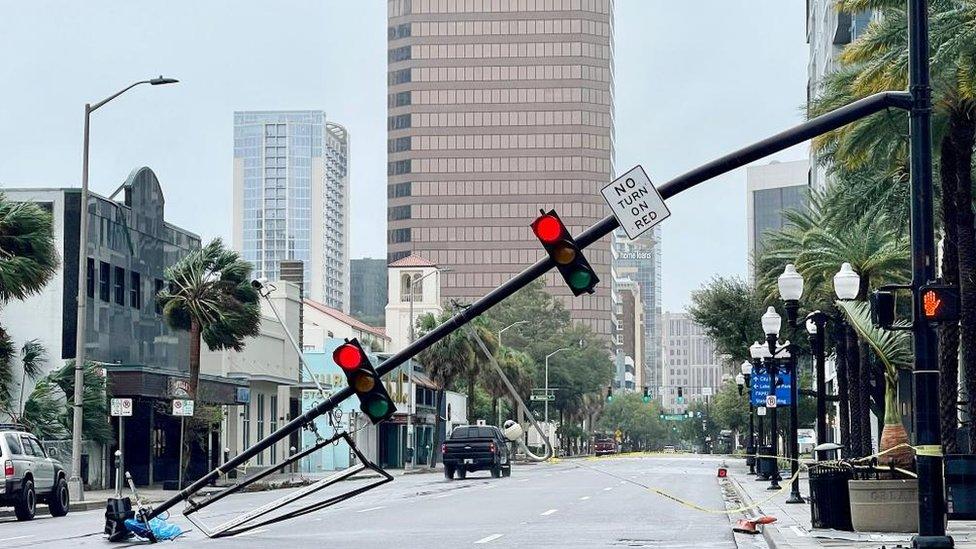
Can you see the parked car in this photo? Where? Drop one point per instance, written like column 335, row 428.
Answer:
column 30, row 476
column 476, row 448
column 605, row 447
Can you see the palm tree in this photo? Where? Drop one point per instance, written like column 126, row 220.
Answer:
column 817, row 240
column 443, row 361
column 518, row 368
column 878, row 61
column 32, row 358
column 480, row 364
column 209, row 293
column 28, row 254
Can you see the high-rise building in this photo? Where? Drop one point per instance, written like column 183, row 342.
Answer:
column 291, row 198
column 498, row 108
column 828, row 31
column 771, row 190
column 640, row 261
column 368, row 290
column 690, row 362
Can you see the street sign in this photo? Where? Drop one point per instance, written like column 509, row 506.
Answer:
column 542, row 398
column 761, row 410
column 706, row 391
column 760, row 389
column 182, row 407
column 618, row 434
column 771, row 401
column 635, row 202
column 674, row 417
column 121, row 407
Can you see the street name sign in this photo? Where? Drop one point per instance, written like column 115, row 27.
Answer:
column 182, row 407
column 674, row 417
column 635, row 202
column 121, row 407
column 541, row 398
column 760, row 389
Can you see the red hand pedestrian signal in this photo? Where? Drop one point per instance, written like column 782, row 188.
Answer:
column 931, row 302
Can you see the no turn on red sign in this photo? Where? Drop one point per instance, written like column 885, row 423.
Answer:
column 635, row 202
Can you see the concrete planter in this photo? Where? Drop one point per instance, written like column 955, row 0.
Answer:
column 884, row 505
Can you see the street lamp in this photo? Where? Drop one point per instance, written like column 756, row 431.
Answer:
column 743, row 380
column 75, row 487
column 847, row 283
column 771, row 324
column 791, row 290
column 516, row 323
column 758, row 351
column 547, row 382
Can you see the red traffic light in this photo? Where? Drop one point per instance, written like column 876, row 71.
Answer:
column 348, row 356
column 548, row 228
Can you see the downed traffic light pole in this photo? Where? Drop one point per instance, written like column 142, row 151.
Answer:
column 793, row 136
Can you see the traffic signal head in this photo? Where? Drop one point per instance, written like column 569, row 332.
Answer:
column 609, row 394
column 647, row 394
column 939, row 302
column 374, row 401
column 562, row 248
column 882, row 309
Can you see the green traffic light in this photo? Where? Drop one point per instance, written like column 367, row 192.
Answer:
column 377, row 407
column 580, row 279
column 646, row 399
column 609, row 398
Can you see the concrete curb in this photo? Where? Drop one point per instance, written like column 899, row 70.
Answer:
column 769, row 532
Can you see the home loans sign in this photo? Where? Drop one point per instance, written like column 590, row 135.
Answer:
column 635, row 202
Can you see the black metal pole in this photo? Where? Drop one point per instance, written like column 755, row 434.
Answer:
column 818, row 343
column 751, row 446
column 773, row 369
column 931, row 486
column 736, row 159
column 794, row 444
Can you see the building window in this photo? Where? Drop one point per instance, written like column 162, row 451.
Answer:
column 120, row 286
column 410, row 287
column 399, row 235
column 246, row 426
column 135, row 290
column 274, row 426
column 157, row 287
column 398, row 54
column 399, row 144
column 401, row 76
column 260, row 425
column 399, row 99
column 398, row 190
column 90, row 278
column 104, row 282
column 398, row 122
column 398, row 167
column 396, row 213
column 399, row 31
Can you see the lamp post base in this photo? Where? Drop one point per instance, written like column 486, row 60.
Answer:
column 76, row 488
column 796, row 498
column 932, row 542
column 774, row 485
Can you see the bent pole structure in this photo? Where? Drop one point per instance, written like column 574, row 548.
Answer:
column 783, row 140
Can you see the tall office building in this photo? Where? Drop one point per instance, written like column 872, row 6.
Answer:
column 368, row 291
column 828, row 31
column 690, row 362
column 498, row 108
column 640, row 260
column 291, row 198
column 772, row 189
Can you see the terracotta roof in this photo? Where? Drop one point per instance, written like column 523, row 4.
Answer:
column 343, row 317
column 413, row 261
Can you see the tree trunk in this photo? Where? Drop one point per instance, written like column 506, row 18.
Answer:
column 472, row 374
column 494, row 411
column 961, row 128
column 854, row 389
column 840, row 359
column 949, row 332
column 194, row 357
column 864, row 396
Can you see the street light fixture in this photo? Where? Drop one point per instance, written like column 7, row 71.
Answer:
column 75, row 487
column 581, row 345
column 791, row 290
column 847, row 283
column 771, row 324
column 512, row 325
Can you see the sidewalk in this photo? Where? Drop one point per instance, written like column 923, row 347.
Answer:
column 792, row 529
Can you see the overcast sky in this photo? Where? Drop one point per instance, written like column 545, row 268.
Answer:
column 693, row 80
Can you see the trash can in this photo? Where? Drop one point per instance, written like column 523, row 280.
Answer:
column 830, row 500
column 766, row 465
column 960, row 480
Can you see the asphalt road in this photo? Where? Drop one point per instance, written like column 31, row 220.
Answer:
column 574, row 503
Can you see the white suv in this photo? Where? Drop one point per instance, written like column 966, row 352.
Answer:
column 29, row 475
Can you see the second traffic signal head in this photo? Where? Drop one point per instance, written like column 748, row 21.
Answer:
column 374, row 401
column 565, row 252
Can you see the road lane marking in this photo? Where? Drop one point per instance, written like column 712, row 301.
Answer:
column 549, row 512
column 523, row 480
column 584, row 498
column 250, row 533
column 488, row 539
column 447, row 495
column 608, row 488
column 372, row 509
column 18, row 537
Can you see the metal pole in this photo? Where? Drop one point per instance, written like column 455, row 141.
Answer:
column 751, row 447
column 180, row 481
column 75, row 485
column 818, row 343
column 794, row 445
column 774, row 433
column 547, row 394
column 931, row 488
column 121, row 443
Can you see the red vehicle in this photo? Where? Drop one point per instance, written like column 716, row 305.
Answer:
column 605, row 447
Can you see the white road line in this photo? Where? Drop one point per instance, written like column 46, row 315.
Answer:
column 489, row 486
column 549, row 512
column 250, row 533
column 372, row 509
column 447, row 495
column 488, row 539
column 608, row 488
column 584, row 498
column 523, row 480
column 18, row 537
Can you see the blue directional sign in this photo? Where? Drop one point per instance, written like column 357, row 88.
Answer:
column 760, row 389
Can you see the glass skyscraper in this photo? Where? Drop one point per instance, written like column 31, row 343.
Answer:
column 291, row 198
column 640, row 261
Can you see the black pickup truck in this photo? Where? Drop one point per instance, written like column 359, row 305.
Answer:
column 476, row 448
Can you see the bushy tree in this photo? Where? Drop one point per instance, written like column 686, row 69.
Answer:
column 729, row 310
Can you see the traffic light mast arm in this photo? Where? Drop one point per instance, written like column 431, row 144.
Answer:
column 783, row 140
